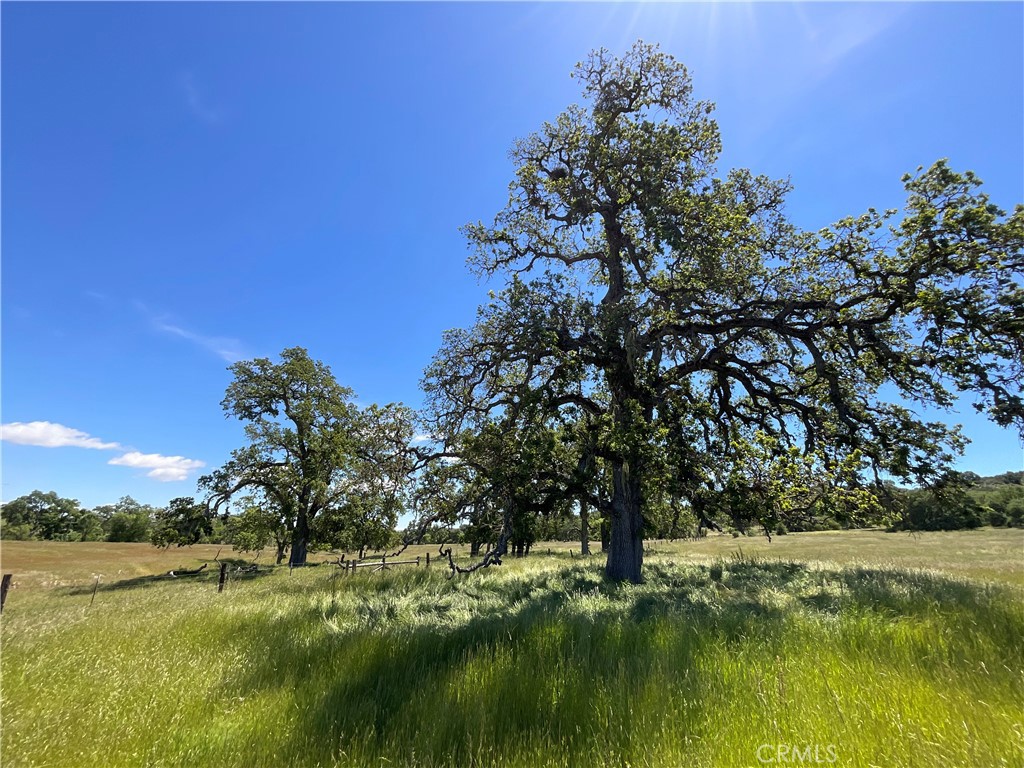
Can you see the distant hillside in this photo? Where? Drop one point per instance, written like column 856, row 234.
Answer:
column 1007, row 478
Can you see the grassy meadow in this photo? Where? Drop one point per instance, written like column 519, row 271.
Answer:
column 854, row 648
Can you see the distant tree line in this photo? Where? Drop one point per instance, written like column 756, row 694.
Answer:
column 997, row 500
column 972, row 502
column 46, row 516
column 252, row 527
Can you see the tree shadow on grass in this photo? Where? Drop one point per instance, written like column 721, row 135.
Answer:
column 236, row 572
column 480, row 687
column 473, row 671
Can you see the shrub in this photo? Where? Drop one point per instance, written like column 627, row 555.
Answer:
column 16, row 532
column 1015, row 513
column 948, row 511
column 128, row 526
column 996, row 517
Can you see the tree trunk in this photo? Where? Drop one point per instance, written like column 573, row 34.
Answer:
column 300, row 541
column 281, row 546
column 626, row 548
column 584, row 528
column 474, row 548
column 606, row 534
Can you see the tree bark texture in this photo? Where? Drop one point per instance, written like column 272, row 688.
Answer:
column 626, row 546
column 584, row 528
column 300, row 540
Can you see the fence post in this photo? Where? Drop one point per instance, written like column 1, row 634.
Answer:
column 94, row 588
column 4, row 586
column 417, row 561
column 223, row 577
column 428, row 559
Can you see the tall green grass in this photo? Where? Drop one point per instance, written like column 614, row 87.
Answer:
column 538, row 663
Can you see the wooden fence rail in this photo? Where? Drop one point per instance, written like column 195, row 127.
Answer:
column 348, row 566
column 380, row 565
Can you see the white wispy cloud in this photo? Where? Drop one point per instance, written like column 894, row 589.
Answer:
column 166, row 469
column 828, row 43
column 47, row 434
column 197, row 103
column 224, row 347
column 846, row 32
column 422, row 438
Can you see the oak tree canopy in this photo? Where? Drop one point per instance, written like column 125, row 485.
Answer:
column 332, row 474
column 679, row 331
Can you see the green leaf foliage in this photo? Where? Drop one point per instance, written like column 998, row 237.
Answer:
column 330, row 473
column 693, row 336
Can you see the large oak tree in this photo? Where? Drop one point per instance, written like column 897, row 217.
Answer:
column 686, row 319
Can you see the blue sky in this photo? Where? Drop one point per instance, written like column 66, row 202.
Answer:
column 186, row 185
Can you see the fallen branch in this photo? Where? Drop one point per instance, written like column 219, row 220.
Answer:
column 401, row 549
column 491, row 557
column 176, row 574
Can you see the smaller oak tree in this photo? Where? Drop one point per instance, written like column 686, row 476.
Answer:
column 183, row 523
column 312, row 452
